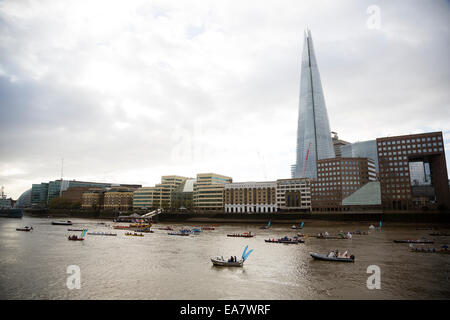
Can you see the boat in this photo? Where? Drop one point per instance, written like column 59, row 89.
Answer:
column 70, row 229
column 134, row 234
column 243, row 235
column 372, row 227
column 102, row 234
column 443, row 249
column 195, row 230
column 332, row 257
column 285, row 240
column 62, row 223
column 221, row 262
column 340, row 236
column 414, row 241
column 122, row 227
column 75, row 238
column 440, row 234
column 265, row 227
column 140, row 225
column 178, row 234
column 209, row 228
column 300, row 226
column 144, row 230
column 26, row 228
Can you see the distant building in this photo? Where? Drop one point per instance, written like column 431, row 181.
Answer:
column 338, row 144
column 208, row 191
column 43, row 193
column 24, row 201
column 159, row 196
column 250, row 197
column 74, row 194
column 93, row 199
column 118, row 199
column 368, row 197
column 413, row 172
column 294, row 194
column 313, row 130
column 363, row 149
column 183, row 195
column 337, row 178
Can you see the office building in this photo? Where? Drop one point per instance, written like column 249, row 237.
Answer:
column 294, row 194
column 208, row 191
column 413, row 172
column 248, row 197
column 313, row 136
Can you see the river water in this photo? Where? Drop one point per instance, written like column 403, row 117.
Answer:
column 33, row 265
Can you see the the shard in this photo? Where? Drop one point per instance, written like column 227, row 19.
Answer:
column 313, row 134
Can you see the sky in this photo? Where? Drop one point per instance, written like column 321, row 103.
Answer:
column 128, row 91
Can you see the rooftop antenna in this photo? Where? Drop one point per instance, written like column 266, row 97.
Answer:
column 61, row 184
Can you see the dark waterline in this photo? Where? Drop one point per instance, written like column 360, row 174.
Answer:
column 33, row 264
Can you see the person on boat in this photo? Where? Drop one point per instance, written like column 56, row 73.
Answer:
column 326, row 234
column 235, row 260
column 349, row 235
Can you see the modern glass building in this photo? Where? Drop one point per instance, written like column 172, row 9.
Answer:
column 313, row 133
column 363, row 149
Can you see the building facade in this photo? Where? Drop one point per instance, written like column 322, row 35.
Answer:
column 248, row 197
column 338, row 144
column 313, row 131
column 92, row 199
column 118, row 200
column 208, row 191
column 363, row 149
column 294, row 194
column 413, row 172
column 337, row 178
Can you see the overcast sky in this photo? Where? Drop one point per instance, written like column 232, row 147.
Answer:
column 127, row 91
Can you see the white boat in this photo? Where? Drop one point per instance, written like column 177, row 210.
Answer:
column 329, row 257
column 220, row 261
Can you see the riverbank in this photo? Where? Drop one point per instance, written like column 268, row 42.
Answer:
column 281, row 218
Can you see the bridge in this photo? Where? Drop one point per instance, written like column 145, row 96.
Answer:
column 152, row 213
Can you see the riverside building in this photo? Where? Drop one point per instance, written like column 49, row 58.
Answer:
column 413, row 172
column 120, row 199
column 337, row 178
column 208, row 191
column 294, row 194
column 250, row 197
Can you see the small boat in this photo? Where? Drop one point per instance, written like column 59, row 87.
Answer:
column 26, row 228
column 140, row 225
column 340, row 236
column 332, row 257
column 444, row 249
column 145, row 230
column 285, row 240
column 372, row 227
column 195, row 230
column 62, row 223
column 414, row 241
column 359, row 233
column 122, row 227
column 75, row 238
column 178, row 234
column 134, row 234
column 243, row 235
column 102, row 234
column 70, row 229
column 221, row 262
column 208, row 228
column 440, row 234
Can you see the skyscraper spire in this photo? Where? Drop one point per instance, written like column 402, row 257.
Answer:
column 313, row 133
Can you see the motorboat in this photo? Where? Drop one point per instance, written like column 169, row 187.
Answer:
column 75, row 238
column 221, row 262
column 145, row 230
column 243, row 235
column 165, row 228
column 26, row 228
column 332, row 257
column 62, row 223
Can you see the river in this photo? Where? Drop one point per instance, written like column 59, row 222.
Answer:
column 33, row 265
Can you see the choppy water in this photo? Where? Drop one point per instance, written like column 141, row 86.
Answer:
column 33, row 265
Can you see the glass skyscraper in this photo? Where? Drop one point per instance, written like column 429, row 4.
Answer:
column 313, row 134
